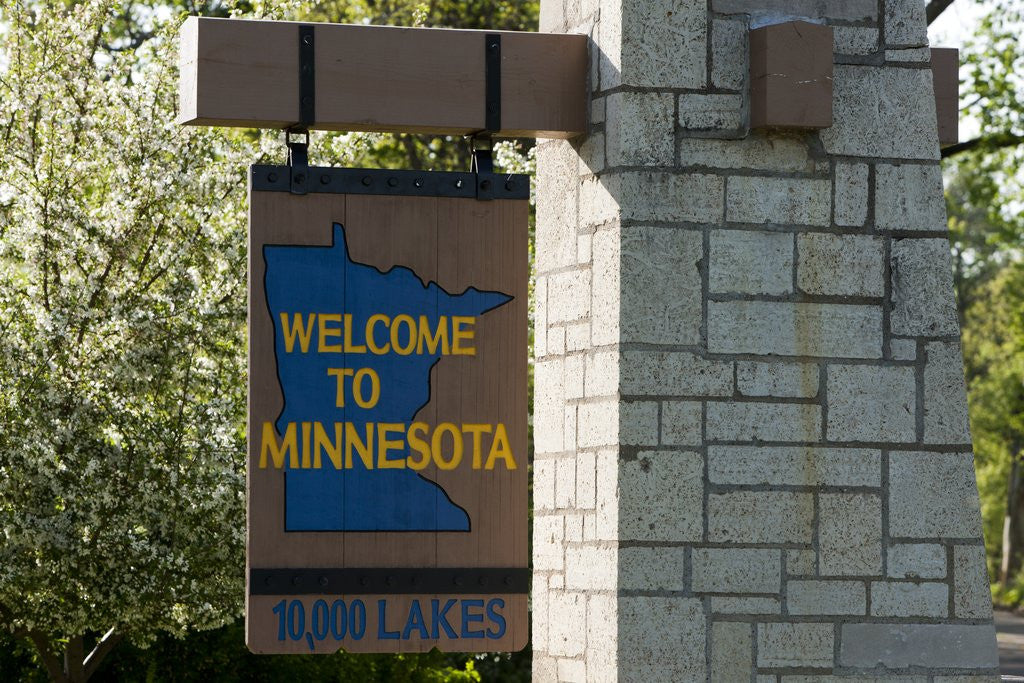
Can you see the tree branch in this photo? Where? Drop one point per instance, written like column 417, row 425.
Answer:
column 50, row 659
column 989, row 141
column 103, row 647
column 935, row 8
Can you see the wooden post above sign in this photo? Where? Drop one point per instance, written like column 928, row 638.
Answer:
column 380, row 78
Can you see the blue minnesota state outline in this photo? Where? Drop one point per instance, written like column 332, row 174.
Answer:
column 311, row 279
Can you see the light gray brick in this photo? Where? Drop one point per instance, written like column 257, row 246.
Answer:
column 922, row 288
column 568, row 296
column 933, row 495
column 602, row 374
column 842, row 265
column 732, row 648
column 750, row 262
column 661, row 639
column 661, row 497
column 909, row 197
column 565, row 637
column 586, row 481
column 572, row 671
column 902, row 349
column 855, row 40
column 549, row 397
column 565, row 482
column 851, row 194
column 544, row 484
column 639, row 129
column 786, row 201
column 794, row 466
column 556, row 202
column 661, row 304
column 905, row 23
column 909, row 599
column 673, row 373
column 652, row 569
column 945, row 395
column 681, row 423
column 926, row 645
column 749, row 421
column 598, row 424
column 916, row 561
column 548, row 538
column 722, row 113
column 826, row 597
column 760, row 517
column 590, row 568
column 882, row 112
column 760, row 150
column 795, row 329
column 736, row 570
column 656, row 196
column 916, row 54
column 660, row 44
column 801, row 562
column 849, row 10
column 638, row 423
column 794, row 645
column 721, row 604
column 728, row 54
column 850, row 534
column 871, row 403
column 781, row 380
column 971, row 596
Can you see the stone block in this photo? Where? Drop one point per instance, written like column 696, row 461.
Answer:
column 909, row 197
column 795, row 329
column 565, row 482
column 882, row 112
column 606, row 291
column 572, row 671
column 540, row 317
column 597, row 205
column 855, row 40
column 661, row 299
column 781, row 645
column 573, row 368
column 851, row 189
column 915, row 54
column 657, row 44
column 652, row 569
column 801, row 562
column 602, row 635
column 916, row 561
column 971, row 596
column 681, row 423
column 565, row 637
column 661, row 497
column 945, row 395
column 732, row 646
column 606, row 519
column 586, row 481
column 782, row 201
column 568, row 296
column 544, row 484
column 548, row 399
column 638, row 423
column 591, row 568
column 849, row 534
column 661, row 639
column 930, row 646
column 592, row 156
column 750, row 421
column 548, row 543
column 639, row 129
column 765, row 151
column 826, row 597
column 841, row 265
column 718, row 113
column 736, row 570
column 922, row 288
column 644, row 373
column 794, row 466
column 846, row 10
column 760, row 517
column 902, row 349
column 556, row 203
column 933, row 495
column 905, row 23
column 909, row 599
column 598, row 424
column 871, row 403
column 728, row 54
column 657, row 196
column 602, row 374
column 779, row 380
column 751, row 262
column 721, row 604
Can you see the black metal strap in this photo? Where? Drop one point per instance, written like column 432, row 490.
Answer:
column 492, row 82
column 307, row 78
column 389, row 581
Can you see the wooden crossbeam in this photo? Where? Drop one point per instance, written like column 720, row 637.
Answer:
column 380, row 78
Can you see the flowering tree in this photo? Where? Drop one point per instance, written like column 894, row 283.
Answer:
column 122, row 313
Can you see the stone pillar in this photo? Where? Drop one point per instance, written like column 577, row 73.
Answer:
column 752, row 450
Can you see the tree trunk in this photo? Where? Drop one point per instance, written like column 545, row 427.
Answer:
column 1013, row 526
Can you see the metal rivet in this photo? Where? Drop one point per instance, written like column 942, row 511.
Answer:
column 390, row 580
column 307, row 40
column 367, row 180
column 324, row 179
column 482, row 581
column 413, row 580
column 510, row 185
column 296, row 580
column 363, row 581
column 272, row 177
column 458, row 580
column 299, row 178
column 307, row 100
column 418, row 182
column 323, row 580
column 485, row 185
column 306, row 68
column 269, row 581
column 493, row 47
column 508, row 580
column 492, row 107
column 458, row 183
column 392, row 182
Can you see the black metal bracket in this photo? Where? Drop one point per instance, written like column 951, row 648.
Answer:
column 298, row 151
column 481, row 144
column 389, row 581
column 298, row 162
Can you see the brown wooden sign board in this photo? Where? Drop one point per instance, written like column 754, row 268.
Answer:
column 387, row 464
column 380, row 78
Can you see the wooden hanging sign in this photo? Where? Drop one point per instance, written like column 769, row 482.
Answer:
column 387, row 463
